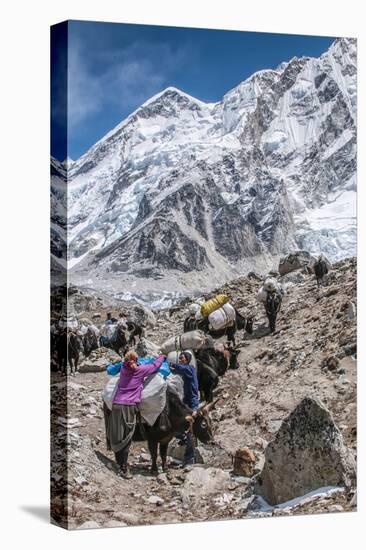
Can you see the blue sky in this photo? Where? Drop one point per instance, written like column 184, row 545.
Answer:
column 113, row 68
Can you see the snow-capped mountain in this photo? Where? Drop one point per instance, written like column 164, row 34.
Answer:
column 187, row 193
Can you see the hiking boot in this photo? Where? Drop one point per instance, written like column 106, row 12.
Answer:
column 125, row 473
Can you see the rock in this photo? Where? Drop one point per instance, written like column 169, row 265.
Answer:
column 177, row 451
column 296, row 260
column 350, row 349
column 162, row 478
column 351, row 315
column 145, row 457
column 127, row 517
column 330, row 363
column 98, row 360
column 273, row 426
column 336, row 508
column 244, row 504
column 261, row 443
column 255, row 276
column 332, row 291
column 293, row 278
column 89, row 525
column 115, row 523
column 154, row 499
column 353, row 501
column 244, row 461
column 97, row 366
column 307, row 453
column 328, row 278
column 201, row 481
column 259, row 465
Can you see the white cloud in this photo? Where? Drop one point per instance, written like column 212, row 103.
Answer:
column 130, row 77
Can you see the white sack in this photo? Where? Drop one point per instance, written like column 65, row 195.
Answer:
column 270, row 284
column 189, row 340
column 261, row 295
column 107, row 331
column 222, row 317
column 193, row 308
column 175, row 381
column 153, row 397
column 110, row 391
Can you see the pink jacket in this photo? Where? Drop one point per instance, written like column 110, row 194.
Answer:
column 131, row 382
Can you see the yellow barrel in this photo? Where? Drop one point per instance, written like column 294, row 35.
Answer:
column 212, row 305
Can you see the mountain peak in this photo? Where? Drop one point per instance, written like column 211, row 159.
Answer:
column 68, row 161
column 171, row 93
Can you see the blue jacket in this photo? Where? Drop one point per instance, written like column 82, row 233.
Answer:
column 190, row 381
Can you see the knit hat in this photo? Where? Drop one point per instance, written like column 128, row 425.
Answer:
column 187, row 355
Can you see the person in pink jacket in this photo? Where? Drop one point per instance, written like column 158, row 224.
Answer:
column 120, row 425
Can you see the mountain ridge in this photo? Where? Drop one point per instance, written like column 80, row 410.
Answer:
column 269, row 168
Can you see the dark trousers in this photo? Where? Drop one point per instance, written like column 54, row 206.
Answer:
column 122, row 456
column 187, row 439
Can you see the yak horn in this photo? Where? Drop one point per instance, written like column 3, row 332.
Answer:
column 189, row 418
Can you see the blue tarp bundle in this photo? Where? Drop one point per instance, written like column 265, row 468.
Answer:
column 114, row 368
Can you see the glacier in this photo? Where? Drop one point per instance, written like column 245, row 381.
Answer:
column 189, row 194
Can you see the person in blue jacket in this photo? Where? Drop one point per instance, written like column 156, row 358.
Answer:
column 190, row 398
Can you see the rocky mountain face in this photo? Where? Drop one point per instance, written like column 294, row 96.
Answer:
column 184, row 194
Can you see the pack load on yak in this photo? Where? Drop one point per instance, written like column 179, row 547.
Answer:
column 108, row 335
column 269, row 285
column 153, row 398
column 193, row 308
column 108, row 331
column 212, row 305
column 222, row 317
column 194, row 340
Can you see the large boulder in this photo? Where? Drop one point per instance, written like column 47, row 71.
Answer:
column 296, row 260
column 98, row 360
column 307, row 453
column 205, row 481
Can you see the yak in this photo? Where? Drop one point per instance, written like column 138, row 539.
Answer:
column 211, row 364
column 90, row 341
column 240, row 323
column 134, row 330
column 116, row 342
column 175, row 419
column 68, row 347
